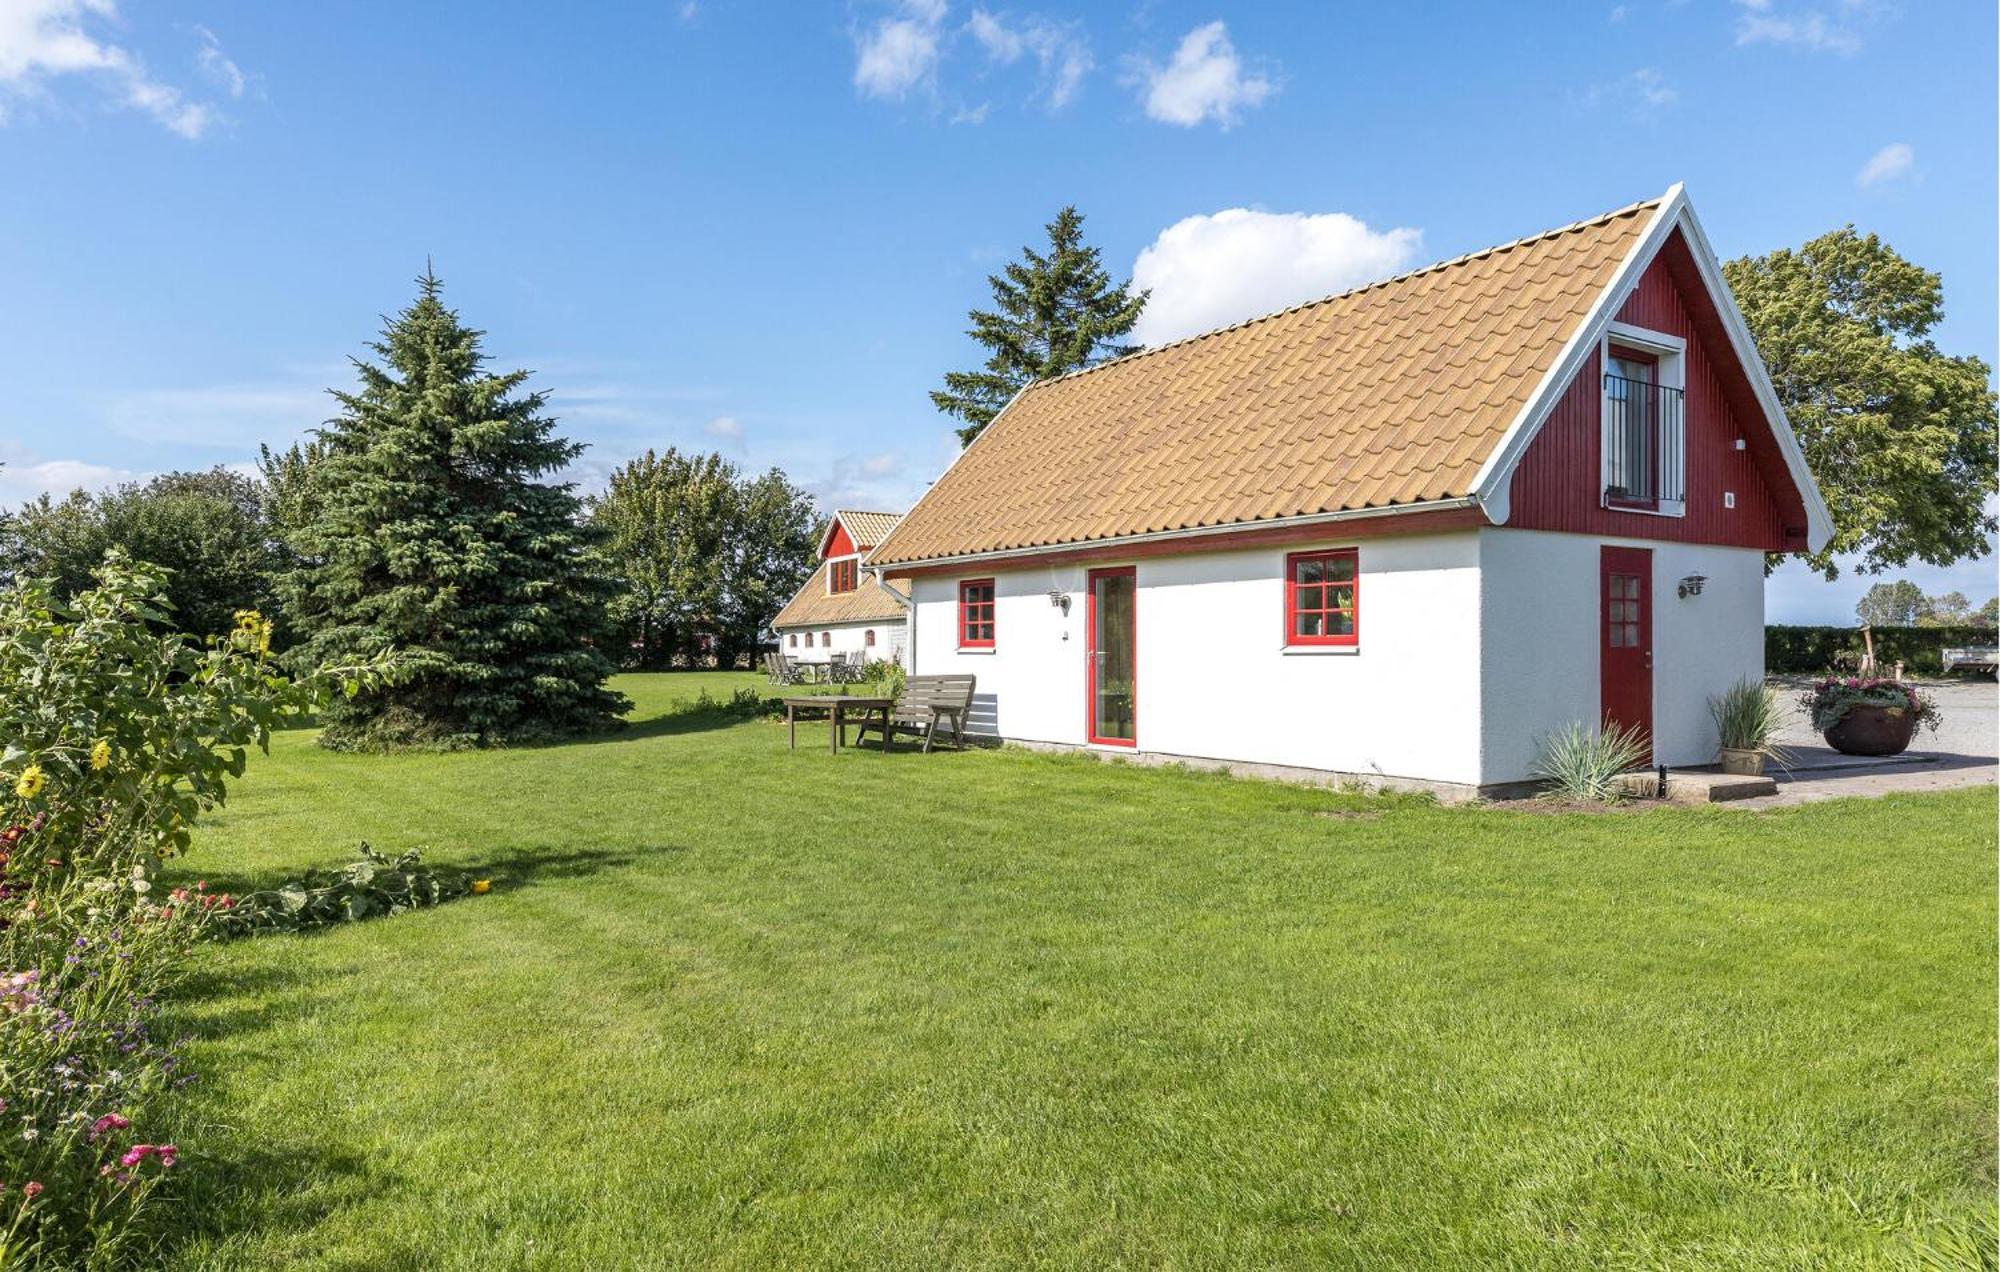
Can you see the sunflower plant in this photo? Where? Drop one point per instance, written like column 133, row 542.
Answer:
column 116, row 734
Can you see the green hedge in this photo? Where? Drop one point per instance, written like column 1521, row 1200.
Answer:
column 1920, row 649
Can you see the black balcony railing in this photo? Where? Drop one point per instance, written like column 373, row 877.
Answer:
column 1644, row 454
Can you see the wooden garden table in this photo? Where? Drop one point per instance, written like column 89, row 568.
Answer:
column 837, row 706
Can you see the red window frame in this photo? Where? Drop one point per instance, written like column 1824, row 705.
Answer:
column 843, row 575
column 1296, row 591
column 976, row 626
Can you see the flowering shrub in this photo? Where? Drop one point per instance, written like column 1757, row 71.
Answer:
column 1828, row 702
column 118, row 735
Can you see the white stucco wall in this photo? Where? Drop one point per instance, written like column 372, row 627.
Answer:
column 1539, row 613
column 848, row 638
column 1215, row 679
column 1474, row 646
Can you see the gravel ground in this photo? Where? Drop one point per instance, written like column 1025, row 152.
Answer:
column 1970, row 710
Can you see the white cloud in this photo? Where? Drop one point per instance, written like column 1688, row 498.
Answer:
column 900, row 53
column 1892, row 161
column 1644, row 94
column 1060, row 49
column 226, row 416
column 1204, row 81
column 41, row 40
column 726, row 427
column 1210, row 271
column 1652, row 89
column 25, row 476
column 217, row 66
column 1815, row 30
column 886, row 464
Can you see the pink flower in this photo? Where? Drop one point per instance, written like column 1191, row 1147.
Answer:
column 32, row 1189
column 109, row 1122
column 136, row 1154
column 169, row 1154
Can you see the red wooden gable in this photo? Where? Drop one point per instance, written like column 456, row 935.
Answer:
column 837, row 542
column 1558, row 485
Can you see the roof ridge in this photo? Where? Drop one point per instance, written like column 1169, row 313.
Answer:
column 1602, row 218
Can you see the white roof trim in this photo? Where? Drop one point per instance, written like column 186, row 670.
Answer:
column 1492, row 487
column 1819, row 520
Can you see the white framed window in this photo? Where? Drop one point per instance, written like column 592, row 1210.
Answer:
column 1643, row 437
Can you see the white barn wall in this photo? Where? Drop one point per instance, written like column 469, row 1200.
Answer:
column 848, row 638
column 1215, row 681
column 1540, row 611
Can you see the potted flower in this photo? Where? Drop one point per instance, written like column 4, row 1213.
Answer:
column 1868, row 717
column 1746, row 727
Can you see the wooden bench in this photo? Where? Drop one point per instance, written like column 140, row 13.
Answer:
column 1978, row 659
column 925, row 703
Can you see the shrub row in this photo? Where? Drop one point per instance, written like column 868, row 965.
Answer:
column 1815, row 649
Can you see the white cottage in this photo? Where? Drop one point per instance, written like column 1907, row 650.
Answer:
column 1401, row 533
column 844, row 609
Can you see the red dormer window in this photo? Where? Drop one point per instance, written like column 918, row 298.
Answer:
column 845, row 575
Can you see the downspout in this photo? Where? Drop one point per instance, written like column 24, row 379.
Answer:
column 909, row 607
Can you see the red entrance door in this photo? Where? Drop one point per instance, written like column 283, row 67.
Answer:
column 1625, row 630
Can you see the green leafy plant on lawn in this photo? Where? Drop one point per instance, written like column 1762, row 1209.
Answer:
column 1583, row 763
column 1747, row 718
column 119, row 733
column 374, row 885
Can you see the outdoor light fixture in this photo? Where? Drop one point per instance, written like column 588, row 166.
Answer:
column 1691, row 585
column 1059, row 599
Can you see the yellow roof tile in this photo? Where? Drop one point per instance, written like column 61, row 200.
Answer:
column 1392, row 393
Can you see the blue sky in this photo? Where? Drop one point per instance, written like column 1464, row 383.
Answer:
column 757, row 227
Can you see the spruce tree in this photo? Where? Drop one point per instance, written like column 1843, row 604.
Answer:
column 432, row 528
column 1053, row 313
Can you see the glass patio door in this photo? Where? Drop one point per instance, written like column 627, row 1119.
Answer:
column 1113, row 657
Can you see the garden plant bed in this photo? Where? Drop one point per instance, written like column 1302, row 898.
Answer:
column 751, row 1006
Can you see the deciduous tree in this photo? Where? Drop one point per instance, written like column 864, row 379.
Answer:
column 1900, row 435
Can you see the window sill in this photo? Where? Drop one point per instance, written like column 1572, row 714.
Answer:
column 1667, row 508
column 1319, row 651
column 977, row 649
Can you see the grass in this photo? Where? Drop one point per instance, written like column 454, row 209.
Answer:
column 742, row 1006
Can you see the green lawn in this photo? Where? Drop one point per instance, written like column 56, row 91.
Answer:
column 735, row 1005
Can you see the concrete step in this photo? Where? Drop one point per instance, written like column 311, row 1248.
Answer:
column 1699, row 785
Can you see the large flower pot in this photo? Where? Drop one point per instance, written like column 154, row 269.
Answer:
column 1873, row 731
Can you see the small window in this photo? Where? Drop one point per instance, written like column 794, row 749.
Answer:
column 826, row 639
column 1643, row 433
column 793, row 640
column 844, row 575
column 1322, row 597
column 868, row 638
column 975, row 614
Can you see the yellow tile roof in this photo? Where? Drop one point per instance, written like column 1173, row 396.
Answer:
column 1393, row 393
column 812, row 606
column 868, row 528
